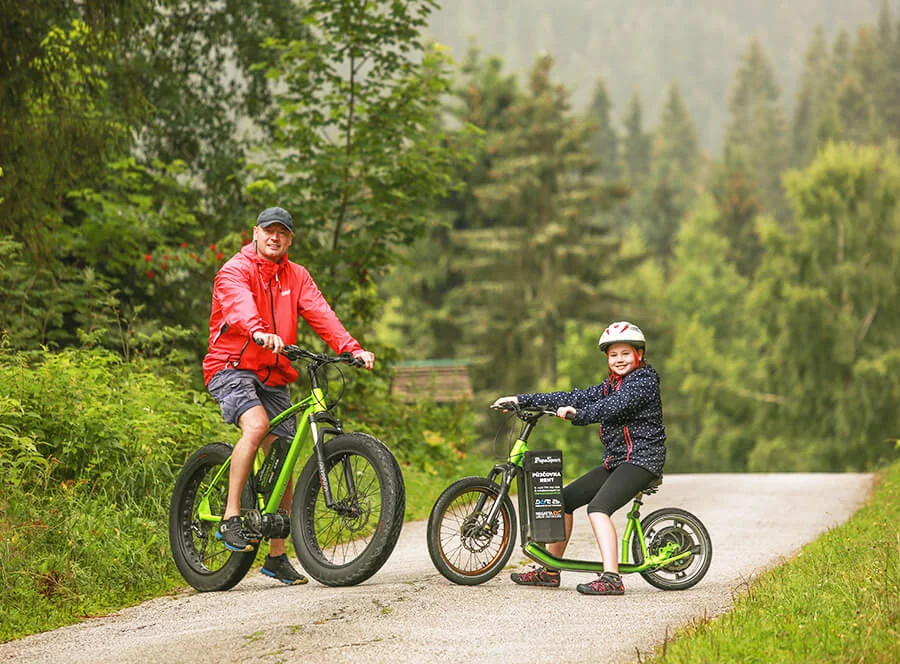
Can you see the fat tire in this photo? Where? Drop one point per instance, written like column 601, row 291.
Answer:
column 455, row 556
column 680, row 575
column 203, row 560
column 382, row 503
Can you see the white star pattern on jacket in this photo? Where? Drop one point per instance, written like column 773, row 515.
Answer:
column 629, row 411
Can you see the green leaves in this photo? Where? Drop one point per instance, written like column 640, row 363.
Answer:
column 358, row 158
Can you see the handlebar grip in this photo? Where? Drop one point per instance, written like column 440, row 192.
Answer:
column 348, row 358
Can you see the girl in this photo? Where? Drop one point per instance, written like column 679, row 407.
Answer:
column 628, row 407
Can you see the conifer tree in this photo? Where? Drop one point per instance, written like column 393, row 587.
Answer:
column 825, row 301
column 604, row 142
column 546, row 261
column 737, row 200
column 636, row 144
column 708, row 404
column 424, row 314
column 758, row 126
column 674, row 179
column 813, row 98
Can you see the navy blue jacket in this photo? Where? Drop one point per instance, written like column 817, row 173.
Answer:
column 629, row 411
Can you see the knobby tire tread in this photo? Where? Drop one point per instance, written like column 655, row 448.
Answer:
column 393, row 505
column 196, row 468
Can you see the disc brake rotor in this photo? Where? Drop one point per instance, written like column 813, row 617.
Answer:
column 677, row 536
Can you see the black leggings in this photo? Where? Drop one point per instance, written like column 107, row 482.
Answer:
column 605, row 490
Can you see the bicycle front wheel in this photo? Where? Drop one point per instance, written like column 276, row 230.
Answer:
column 679, row 531
column 200, row 557
column 463, row 546
column 347, row 542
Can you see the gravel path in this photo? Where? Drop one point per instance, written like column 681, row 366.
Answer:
column 407, row 612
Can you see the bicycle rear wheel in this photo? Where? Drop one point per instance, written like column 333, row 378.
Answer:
column 346, row 544
column 200, row 557
column 679, row 530
column 463, row 547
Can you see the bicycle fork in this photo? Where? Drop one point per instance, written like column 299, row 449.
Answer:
column 335, row 428
column 490, row 519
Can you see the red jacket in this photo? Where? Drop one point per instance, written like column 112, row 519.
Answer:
column 252, row 294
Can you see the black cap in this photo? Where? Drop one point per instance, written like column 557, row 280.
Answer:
column 275, row 215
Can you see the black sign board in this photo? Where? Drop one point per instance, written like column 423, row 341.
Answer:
column 544, row 483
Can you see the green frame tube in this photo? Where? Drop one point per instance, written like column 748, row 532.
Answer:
column 310, row 405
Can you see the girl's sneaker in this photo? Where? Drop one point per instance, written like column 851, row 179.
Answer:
column 608, row 583
column 537, row 576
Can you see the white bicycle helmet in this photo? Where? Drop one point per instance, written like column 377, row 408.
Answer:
column 622, row 332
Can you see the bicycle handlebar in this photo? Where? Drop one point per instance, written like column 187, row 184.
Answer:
column 294, row 353
column 529, row 413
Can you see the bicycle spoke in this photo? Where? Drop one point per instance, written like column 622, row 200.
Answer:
column 344, row 531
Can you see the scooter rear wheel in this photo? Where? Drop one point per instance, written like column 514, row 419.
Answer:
column 674, row 527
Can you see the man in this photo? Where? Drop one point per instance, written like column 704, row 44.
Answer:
column 257, row 298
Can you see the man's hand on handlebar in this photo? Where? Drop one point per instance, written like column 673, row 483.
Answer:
column 366, row 358
column 271, row 341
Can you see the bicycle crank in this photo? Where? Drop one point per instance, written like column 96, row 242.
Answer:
column 269, row 526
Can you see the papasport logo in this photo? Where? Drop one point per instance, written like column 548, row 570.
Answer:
column 545, row 459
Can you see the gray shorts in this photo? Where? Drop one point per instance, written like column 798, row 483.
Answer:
column 239, row 390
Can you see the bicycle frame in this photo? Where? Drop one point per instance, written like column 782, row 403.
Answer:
column 512, row 469
column 314, row 412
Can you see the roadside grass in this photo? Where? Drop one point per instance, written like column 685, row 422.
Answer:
column 838, row 600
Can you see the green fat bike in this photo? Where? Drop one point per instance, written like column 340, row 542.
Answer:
column 347, row 507
column 472, row 529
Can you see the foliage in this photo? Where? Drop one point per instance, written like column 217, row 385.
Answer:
column 537, row 265
column 642, row 47
column 829, row 347
column 89, row 448
column 358, row 156
column 636, row 144
column 758, row 131
column 670, row 189
column 711, row 364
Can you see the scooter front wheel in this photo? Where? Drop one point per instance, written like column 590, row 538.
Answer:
column 463, row 546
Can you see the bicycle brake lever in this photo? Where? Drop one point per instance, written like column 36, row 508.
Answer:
column 352, row 361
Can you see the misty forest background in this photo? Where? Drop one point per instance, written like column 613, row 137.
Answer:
column 485, row 182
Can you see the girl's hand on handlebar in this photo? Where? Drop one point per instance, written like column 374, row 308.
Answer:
column 566, row 412
column 504, row 403
column 367, row 358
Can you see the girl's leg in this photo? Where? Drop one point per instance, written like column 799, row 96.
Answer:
column 558, row 549
column 624, row 482
column 577, row 494
column 605, row 533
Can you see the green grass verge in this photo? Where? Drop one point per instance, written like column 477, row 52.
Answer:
column 838, row 600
